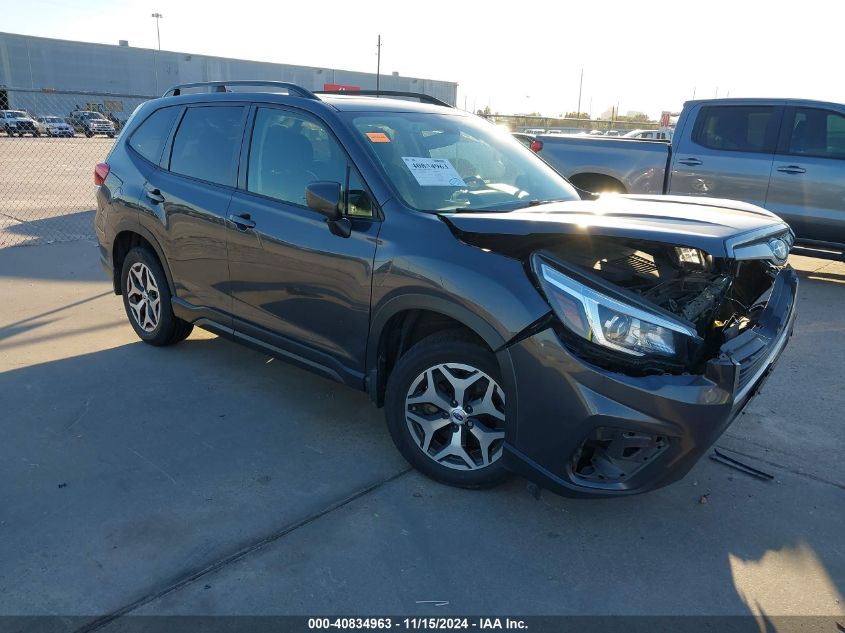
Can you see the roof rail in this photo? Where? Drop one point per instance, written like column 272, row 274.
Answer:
column 222, row 86
column 423, row 98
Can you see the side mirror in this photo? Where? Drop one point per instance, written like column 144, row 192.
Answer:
column 324, row 198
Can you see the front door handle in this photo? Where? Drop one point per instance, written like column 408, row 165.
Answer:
column 792, row 169
column 154, row 195
column 691, row 162
column 242, row 220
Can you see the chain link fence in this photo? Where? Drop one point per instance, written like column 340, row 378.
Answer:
column 50, row 142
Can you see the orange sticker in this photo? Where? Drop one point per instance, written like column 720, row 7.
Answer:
column 378, row 137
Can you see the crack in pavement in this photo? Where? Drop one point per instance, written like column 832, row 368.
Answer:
column 235, row 556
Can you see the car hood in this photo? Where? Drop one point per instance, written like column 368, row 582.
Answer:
column 713, row 225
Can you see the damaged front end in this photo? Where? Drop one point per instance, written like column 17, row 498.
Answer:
column 664, row 322
column 649, row 308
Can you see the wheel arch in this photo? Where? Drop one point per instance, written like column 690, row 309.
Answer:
column 128, row 238
column 403, row 321
column 589, row 180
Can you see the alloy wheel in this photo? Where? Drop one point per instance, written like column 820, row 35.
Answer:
column 456, row 415
column 143, row 297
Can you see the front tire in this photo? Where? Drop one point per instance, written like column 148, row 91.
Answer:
column 146, row 299
column 445, row 410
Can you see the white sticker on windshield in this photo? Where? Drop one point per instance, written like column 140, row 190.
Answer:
column 434, row 172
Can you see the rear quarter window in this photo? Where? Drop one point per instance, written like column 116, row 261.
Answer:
column 149, row 139
column 737, row 128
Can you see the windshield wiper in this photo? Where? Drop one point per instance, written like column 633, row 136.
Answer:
column 537, row 203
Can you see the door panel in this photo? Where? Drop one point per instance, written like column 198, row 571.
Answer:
column 808, row 175
column 191, row 221
column 291, row 276
column 294, row 283
column 728, row 154
column 188, row 198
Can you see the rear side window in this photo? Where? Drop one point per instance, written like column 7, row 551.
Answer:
column 817, row 132
column 148, row 140
column 737, row 128
column 207, row 143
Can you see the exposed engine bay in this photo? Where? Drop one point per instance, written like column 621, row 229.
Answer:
column 716, row 295
column 720, row 298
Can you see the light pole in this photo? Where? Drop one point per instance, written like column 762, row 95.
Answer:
column 580, row 87
column 378, row 63
column 157, row 16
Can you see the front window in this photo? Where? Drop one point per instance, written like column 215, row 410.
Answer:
column 52, row 119
column 817, row 132
column 92, row 115
column 18, row 114
column 443, row 162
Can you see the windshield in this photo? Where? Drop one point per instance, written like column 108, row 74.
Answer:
column 442, row 162
column 52, row 119
column 91, row 115
column 18, row 114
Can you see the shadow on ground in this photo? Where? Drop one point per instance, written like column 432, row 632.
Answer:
column 67, row 227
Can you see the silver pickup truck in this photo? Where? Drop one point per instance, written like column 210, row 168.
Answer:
column 787, row 156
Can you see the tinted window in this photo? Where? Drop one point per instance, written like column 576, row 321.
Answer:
column 148, row 140
column 737, row 128
column 817, row 133
column 207, row 143
column 288, row 152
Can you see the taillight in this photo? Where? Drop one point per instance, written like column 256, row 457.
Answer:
column 536, row 145
column 100, row 173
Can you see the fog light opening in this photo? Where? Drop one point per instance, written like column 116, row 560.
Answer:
column 608, row 456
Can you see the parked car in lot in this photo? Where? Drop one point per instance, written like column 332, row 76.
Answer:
column 91, row 123
column 414, row 251
column 17, row 122
column 659, row 135
column 785, row 155
column 53, row 126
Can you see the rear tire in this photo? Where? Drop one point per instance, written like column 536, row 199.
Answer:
column 146, row 299
column 444, row 407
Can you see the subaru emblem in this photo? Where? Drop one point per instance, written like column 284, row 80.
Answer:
column 780, row 250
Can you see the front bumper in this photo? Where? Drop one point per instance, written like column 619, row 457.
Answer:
column 585, row 431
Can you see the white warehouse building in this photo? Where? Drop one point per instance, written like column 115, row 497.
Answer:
column 50, row 76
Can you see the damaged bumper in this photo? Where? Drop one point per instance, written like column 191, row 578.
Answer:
column 584, row 430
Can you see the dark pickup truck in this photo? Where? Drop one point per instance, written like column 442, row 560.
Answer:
column 787, row 156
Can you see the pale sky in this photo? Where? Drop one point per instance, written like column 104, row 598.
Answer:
column 514, row 56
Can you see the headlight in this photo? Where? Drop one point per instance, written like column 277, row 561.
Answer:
column 609, row 322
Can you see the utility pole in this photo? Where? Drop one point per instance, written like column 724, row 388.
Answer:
column 157, row 17
column 580, row 87
column 378, row 63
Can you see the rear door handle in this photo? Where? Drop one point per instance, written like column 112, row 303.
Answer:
column 792, row 169
column 154, row 195
column 691, row 162
column 242, row 220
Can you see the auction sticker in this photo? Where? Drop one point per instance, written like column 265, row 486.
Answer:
column 433, row 172
column 378, row 137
